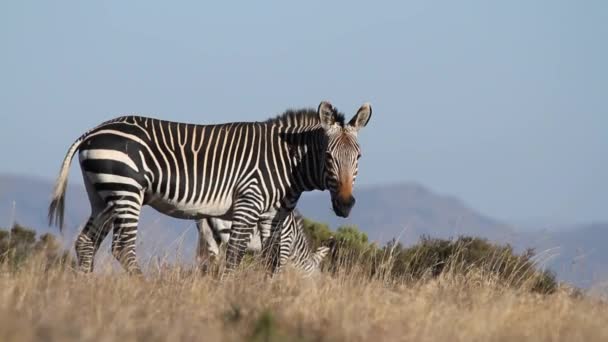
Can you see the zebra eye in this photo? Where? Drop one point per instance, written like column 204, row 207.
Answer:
column 358, row 155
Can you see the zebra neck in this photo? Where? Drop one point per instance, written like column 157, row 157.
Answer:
column 307, row 159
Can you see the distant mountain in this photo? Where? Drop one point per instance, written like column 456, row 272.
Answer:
column 405, row 211
column 578, row 254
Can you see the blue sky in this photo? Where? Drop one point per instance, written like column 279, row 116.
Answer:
column 503, row 105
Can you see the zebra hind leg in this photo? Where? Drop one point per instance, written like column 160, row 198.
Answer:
column 208, row 248
column 125, row 235
column 97, row 228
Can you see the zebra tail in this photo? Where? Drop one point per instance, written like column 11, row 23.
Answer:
column 57, row 206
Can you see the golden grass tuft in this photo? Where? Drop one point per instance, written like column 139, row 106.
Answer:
column 176, row 304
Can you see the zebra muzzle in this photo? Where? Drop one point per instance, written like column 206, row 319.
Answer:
column 343, row 206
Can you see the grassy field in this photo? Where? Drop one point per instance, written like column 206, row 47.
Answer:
column 174, row 304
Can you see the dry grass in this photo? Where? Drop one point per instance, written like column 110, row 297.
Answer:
column 172, row 304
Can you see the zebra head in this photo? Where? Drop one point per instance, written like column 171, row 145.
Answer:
column 342, row 154
column 313, row 264
column 322, row 251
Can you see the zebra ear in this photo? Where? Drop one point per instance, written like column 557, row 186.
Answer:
column 330, row 242
column 327, row 114
column 362, row 117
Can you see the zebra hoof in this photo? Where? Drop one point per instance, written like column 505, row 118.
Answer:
column 135, row 273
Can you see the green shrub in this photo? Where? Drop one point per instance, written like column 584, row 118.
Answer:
column 431, row 258
column 317, row 232
column 20, row 243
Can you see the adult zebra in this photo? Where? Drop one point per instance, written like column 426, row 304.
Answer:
column 251, row 173
column 213, row 232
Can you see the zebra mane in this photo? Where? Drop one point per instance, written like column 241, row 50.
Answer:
column 305, row 116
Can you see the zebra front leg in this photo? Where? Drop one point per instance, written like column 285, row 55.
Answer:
column 279, row 245
column 271, row 251
column 125, row 236
column 286, row 239
column 244, row 222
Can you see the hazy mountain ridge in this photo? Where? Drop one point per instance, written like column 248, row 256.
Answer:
column 405, row 211
column 578, row 254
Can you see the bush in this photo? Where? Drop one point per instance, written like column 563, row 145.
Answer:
column 20, row 244
column 431, row 258
column 317, row 232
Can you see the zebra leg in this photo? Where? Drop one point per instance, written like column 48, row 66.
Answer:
column 270, row 252
column 283, row 238
column 97, row 228
column 85, row 246
column 125, row 235
column 208, row 249
column 287, row 237
column 244, row 222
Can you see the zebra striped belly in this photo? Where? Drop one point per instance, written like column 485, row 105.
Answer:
column 219, row 208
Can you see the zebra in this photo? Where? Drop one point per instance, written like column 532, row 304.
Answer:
column 251, row 173
column 213, row 232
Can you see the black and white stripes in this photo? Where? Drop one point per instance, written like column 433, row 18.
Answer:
column 214, row 232
column 251, row 173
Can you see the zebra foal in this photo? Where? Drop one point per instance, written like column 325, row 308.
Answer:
column 214, row 232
